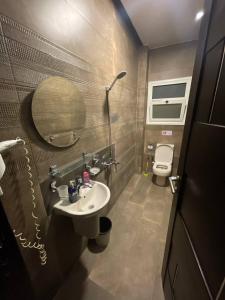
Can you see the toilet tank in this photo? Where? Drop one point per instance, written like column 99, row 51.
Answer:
column 164, row 153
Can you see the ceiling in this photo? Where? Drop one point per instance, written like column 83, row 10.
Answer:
column 161, row 23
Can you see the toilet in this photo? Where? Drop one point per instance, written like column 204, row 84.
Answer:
column 162, row 165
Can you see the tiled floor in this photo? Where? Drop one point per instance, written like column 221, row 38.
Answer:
column 130, row 267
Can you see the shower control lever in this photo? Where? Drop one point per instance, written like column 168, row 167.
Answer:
column 110, row 163
column 173, row 187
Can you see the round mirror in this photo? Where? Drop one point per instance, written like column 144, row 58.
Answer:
column 58, row 111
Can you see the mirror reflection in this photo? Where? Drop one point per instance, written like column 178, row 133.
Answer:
column 58, row 111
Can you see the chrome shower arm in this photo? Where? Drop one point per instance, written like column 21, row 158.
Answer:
column 108, row 88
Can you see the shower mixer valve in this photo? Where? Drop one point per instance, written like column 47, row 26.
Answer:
column 110, row 163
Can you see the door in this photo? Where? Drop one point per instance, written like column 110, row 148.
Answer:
column 195, row 250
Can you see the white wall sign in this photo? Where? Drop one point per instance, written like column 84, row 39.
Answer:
column 167, row 132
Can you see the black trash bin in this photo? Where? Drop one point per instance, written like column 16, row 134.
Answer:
column 105, row 228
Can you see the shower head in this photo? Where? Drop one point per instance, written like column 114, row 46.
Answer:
column 121, row 74
column 118, row 76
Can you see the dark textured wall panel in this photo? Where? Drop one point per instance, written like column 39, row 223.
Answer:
column 28, row 37
column 36, row 44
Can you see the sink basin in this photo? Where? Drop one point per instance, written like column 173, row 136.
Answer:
column 86, row 211
column 92, row 199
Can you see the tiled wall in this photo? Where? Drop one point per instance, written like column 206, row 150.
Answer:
column 87, row 42
column 141, row 105
column 172, row 61
column 167, row 63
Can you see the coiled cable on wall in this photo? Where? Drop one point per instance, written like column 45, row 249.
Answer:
column 23, row 241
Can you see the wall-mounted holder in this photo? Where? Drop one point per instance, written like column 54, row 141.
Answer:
column 151, row 147
column 100, row 158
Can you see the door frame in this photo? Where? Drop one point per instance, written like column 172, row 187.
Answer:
column 197, row 72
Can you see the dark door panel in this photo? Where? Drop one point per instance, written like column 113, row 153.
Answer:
column 217, row 26
column 167, row 288
column 203, row 203
column 218, row 109
column 221, row 295
column 186, row 279
column 200, row 197
column 208, row 82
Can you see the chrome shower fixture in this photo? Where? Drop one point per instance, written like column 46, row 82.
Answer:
column 119, row 76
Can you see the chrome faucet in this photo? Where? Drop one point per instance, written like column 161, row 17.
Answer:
column 95, row 159
column 110, row 163
column 80, row 183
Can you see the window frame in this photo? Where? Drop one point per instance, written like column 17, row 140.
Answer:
column 176, row 100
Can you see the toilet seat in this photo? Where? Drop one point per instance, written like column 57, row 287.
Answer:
column 162, row 168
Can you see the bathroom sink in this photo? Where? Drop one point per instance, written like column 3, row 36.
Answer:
column 92, row 200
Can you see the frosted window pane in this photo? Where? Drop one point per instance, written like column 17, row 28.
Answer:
column 169, row 91
column 166, row 111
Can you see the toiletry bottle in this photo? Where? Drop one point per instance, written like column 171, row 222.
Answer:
column 72, row 192
column 86, row 177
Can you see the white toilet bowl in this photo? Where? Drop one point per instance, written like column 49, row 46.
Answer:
column 162, row 165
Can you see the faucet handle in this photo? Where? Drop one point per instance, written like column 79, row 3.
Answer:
column 53, row 170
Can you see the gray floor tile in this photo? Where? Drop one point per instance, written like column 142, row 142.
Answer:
column 109, row 275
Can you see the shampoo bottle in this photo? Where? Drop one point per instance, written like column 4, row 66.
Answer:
column 86, row 177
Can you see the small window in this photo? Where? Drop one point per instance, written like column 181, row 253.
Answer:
column 167, row 101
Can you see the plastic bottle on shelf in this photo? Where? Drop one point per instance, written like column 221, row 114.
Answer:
column 86, row 177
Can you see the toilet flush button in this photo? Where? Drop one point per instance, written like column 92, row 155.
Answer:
column 167, row 132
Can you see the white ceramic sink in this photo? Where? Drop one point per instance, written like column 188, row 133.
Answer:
column 92, row 201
